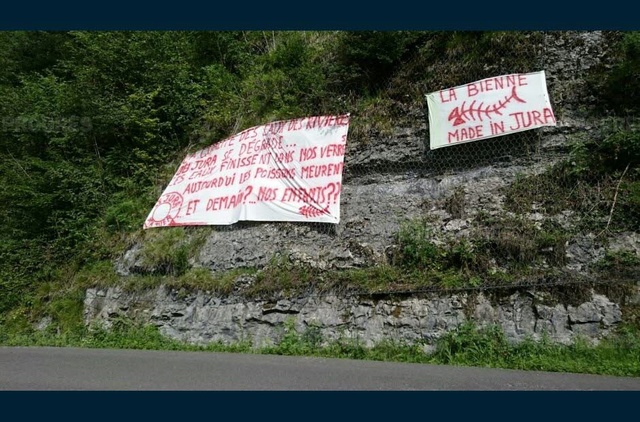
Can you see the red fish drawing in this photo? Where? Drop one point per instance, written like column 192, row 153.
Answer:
column 460, row 115
column 310, row 212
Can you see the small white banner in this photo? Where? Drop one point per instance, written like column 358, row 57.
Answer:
column 282, row 171
column 488, row 108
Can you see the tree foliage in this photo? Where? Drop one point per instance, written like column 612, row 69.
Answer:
column 92, row 124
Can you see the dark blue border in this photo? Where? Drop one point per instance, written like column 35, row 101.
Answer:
column 320, row 15
column 326, row 406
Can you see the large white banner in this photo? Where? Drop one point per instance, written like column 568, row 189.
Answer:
column 282, row 171
column 489, row 108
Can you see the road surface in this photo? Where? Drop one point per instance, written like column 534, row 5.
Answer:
column 31, row 368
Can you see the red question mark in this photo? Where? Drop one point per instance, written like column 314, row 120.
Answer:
column 247, row 192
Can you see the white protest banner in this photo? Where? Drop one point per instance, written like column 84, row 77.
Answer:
column 282, row 171
column 488, row 108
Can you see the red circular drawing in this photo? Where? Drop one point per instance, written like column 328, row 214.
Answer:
column 166, row 210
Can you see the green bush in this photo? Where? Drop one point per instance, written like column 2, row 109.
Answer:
column 417, row 250
column 467, row 344
column 123, row 216
column 450, row 264
column 166, row 251
column 616, row 147
column 600, row 174
column 621, row 90
column 369, row 58
column 619, row 262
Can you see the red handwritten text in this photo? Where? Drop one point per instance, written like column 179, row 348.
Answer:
column 308, row 153
column 493, row 84
column 322, row 170
column 324, row 121
column 312, row 195
column 464, row 134
column 262, row 173
column 236, row 163
column 225, row 202
column 267, row 194
column 268, row 142
column 531, row 118
column 217, row 182
column 332, row 150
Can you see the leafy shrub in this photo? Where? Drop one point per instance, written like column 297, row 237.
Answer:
column 451, row 264
column 368, row 58
column 417, row 249
column 602, row 174
column 467, row 344
column 619, row 262
column 124, row 216
column 621, row 90
column 166, row 251
column 616, row 147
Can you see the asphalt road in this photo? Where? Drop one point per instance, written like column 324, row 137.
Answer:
column 25, row 368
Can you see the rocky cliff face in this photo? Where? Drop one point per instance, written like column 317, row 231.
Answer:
column 202, row 318
column 393, row 178
column 388, row 180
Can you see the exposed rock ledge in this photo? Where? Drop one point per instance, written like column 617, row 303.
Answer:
column 201, row 318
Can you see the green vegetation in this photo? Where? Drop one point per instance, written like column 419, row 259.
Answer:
column 618, row 355
column 600, row 181
column 499, row 250
column 624, row 264
column 94, row 124
column 619, row 85
column 166, row 251
column 124, row 334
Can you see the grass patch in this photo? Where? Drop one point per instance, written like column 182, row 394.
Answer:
column 381, row 278
column 282, row 276
column 618, row 355
column 618, row 83
column 169, row 251
column 98, row 274
column 375, row 117
column 618, row 260
column 621, row 264
column 124, row 334
column 102, row 275
column 469, row 346
column 499, row 250
column 516, row 243
column 205, row 280
column 166, row 251
column 600, row 181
